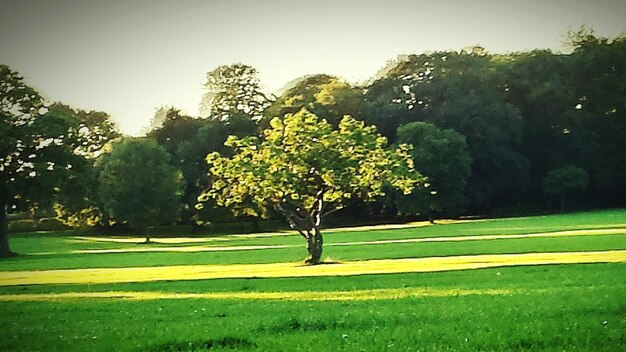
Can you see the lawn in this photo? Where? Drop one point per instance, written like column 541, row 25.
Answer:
column 576, row 306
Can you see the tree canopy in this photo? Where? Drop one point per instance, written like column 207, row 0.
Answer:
column 77, row 202
column 137, row 185
column 323, row 95
column 304, row 169
column 234, row 92
column 38, row 150
column 519, row 117
column 443, row 156
column 565, row 181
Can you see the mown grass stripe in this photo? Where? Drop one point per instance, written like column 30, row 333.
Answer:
column 620, row 231
column 183, row 249
column 272, row 270
column 355, row 295
column 190, row 249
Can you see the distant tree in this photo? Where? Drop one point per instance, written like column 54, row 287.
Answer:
column 77, row 202
column 188, row 140
column 137, row 184
column 538, row 83
column 493, row 130
column 304, row 169
column 323, row 95
column 564, row 182
column 464, row 92
column 234, row 92
column 598, row 113
column 36, row 150
column 383, row 106
column 441, row 155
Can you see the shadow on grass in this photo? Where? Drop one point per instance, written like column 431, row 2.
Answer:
column 324, row 262
column 234, row 343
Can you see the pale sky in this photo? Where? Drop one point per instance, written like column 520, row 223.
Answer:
column 129, row 57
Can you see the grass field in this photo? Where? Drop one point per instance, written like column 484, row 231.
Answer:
column 550, row 283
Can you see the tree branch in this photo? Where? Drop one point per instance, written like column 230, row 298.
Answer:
column 332, row 211
column 318, row 205
column 296, row 220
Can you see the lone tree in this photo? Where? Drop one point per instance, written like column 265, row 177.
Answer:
column 138, row 186
column 305, row 170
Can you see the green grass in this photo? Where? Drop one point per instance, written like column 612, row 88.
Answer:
column 548, row 308
column 343, row 253
column 540, row 317
column 29, row 244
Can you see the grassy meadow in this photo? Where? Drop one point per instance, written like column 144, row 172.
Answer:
column 511, row 306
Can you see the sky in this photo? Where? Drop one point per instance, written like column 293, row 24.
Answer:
column 128, row 58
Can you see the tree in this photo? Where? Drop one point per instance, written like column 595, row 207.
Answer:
column 138, row 186
column 36, row 154
column 493, row 130
column 565, row 181
column 188, row 139
column 464, row 92
column 598, row 113
column 234, row 92
column 323, row 95
column 442, row 156
column 538, row 83
column 305, row 170
column 77, row 202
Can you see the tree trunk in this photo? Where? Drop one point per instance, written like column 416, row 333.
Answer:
column 307, row 223
column 431, row 217
column 5, row 251
column 146, row 231
column 314, row 246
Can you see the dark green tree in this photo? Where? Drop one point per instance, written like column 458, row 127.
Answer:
column 37, row 151
column 492, row 129
column 77, row 203
column 464, row 92
column 138, row 186
column 598, row 113
column 564, row 182
column 538, row 83
column 442, row 156
column 188, row 140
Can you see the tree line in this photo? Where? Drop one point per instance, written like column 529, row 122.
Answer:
column 518, row 131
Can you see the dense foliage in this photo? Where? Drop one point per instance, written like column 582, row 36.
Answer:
column 44, row 150
column 234, row 92
column 522, row 114
column 495, row 133
column 443, row 157
column 305, row 169
column 137, row 185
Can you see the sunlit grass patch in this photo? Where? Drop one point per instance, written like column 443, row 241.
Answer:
column 271, row 270
column 182, row 249
column 354, row 295
column 617, row 231
column 140, row 240
column 235, row 247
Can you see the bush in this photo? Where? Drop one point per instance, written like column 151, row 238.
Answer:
column 171, row 231
column 17, row 226
column 51, row 224
column 28, row 225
